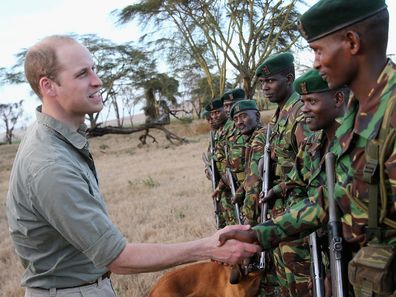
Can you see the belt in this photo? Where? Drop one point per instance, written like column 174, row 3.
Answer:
column 102, row 277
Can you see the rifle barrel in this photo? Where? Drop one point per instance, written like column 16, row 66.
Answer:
column 335, row 239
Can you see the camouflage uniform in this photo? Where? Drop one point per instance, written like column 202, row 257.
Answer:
column 353, row 179
column 353, row 135
column 351, row 192
column 292, row 259
column 308, row 177
column 251, row 208
column 226, row 207
column 235, row 143
column 252, row 183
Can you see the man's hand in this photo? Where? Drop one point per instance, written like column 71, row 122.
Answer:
column 249, row 236
column 270, row 196
column 215, row 194
column 239, row 196
column 233, row 251
column 207, row 174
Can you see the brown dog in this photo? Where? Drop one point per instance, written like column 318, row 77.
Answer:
column 205, row 279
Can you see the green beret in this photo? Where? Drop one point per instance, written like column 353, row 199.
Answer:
column 205, row 114
column 275, row 64
column 213, row 105
column 310, row 82
column 242, row 105
column 329, row 16
column 233, row 95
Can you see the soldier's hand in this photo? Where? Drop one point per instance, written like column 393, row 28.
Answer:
column 207, row 174
column 270, row 195
column 247, row 221
column 249, row 236
column 215, row 194
column 239, row 197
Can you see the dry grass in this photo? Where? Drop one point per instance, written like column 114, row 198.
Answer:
column 156, row 193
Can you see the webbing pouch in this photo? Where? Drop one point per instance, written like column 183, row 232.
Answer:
column 372, row 270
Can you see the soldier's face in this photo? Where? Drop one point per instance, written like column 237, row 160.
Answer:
column 246, row 121
column 275, row 88
column 227, row 107
column 319, row 110
column 218, row 117
column 333, row 60
column 211, row 123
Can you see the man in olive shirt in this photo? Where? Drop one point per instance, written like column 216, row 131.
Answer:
column 56, row 214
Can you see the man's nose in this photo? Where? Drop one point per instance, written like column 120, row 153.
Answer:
column 316, row 63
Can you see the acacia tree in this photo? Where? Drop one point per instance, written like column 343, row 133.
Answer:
column 122, row 68
column 221, row 36
column 10, row 113
column 119, row 66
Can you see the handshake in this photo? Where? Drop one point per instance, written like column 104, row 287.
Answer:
column 234, row 244
column 248, row 236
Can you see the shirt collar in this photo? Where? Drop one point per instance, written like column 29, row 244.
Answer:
column 77, row 138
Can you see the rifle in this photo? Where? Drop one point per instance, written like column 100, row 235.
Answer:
column 231, row 183
column 335, row 238
column 214, row 177
column 265, row 186
column 316, row 267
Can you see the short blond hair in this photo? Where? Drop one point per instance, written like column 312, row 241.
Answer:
column 41, row 60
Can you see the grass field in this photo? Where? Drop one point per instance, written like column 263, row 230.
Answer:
column 154, row 193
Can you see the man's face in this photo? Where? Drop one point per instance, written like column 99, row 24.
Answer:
column 246, row 121
column 78, row 91
column 211, row 123
column 333, row 60
column 227, row 107
column 275, row 88
column 218, row 117
column 319, row 110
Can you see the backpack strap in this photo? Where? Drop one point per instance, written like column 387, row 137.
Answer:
column 374, row 174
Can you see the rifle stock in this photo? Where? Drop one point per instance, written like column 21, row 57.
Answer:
column 338, row 282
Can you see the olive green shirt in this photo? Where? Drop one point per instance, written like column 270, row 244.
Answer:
column 56, row 214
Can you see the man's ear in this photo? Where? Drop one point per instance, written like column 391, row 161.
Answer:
column 339, row 98
column 47, row 87
column 290, row 78
column 353, row 41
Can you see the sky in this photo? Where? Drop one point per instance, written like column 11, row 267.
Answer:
column 24, row 22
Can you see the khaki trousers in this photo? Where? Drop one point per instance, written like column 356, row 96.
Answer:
column 102, row 288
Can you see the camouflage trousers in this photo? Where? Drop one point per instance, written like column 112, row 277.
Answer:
column 292, row 262
column 227, row 210
column 269, row 286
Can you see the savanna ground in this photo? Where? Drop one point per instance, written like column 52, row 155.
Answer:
column 154, row 193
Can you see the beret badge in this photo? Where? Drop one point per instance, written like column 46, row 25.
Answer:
column 266, row 70
column 302, row 30
column 303, row 87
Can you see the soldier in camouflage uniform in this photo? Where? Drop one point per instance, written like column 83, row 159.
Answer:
column 321, row 109
column 276, row 74
column 350, row 48
column 222, row 144
column 216, row 118
column 349, row 38
column 246, row 116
